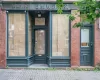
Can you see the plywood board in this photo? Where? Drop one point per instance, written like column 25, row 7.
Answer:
column 60, row 37
column 30, row 36
column 16, row 34
column 39, row 21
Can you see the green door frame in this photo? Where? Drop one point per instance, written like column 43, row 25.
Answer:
column 91, row 26
column 40, row 27
column 33, row 40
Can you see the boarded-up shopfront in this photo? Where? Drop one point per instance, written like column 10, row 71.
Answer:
column 36, row 34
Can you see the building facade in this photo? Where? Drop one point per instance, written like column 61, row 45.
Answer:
column 31, row 32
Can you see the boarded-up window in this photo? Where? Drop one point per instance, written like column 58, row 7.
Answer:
column 40, row 42
column 60, row 35
column 16, row 35
column 39, row 21
column 30, row 36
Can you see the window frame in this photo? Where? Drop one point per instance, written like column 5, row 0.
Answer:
column 69, row 45
column 7, row 33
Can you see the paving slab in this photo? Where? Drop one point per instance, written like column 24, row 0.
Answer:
column 33, row 74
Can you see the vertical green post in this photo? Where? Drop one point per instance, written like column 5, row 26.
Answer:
column 7, row 45
column 26, row 31
column 50, row 32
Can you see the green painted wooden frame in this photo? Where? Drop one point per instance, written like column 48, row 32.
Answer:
column 40, row 27
column 26, row 34
column 64, row 12
column 50, row 57
column 92, row 31
column 17, row 5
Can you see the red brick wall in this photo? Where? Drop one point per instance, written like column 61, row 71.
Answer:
column 2, row 39
column 96, row 44
column 75, row 44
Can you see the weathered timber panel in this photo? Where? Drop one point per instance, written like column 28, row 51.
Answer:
column 16, row 34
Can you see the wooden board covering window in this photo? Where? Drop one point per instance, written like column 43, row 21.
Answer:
column 40, row 42
column 60, row 35
column 40, row 21
column 30, row 35
column 16, row 34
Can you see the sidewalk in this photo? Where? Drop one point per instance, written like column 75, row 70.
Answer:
column 30, row 74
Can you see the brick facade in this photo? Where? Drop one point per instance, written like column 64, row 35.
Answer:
column 2, row 39
column 96, row 44
column 75, row 41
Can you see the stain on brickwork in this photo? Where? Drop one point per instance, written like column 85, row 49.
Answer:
column 75, row 42
column 2, row 39
column 96, row 44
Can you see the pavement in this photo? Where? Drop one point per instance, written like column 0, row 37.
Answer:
column 35, row 74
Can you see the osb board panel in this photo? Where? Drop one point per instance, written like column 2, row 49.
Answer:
column 40, row 42
column 16, row 34
column 60, row 35
column 29, row 36
column 39, row 21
